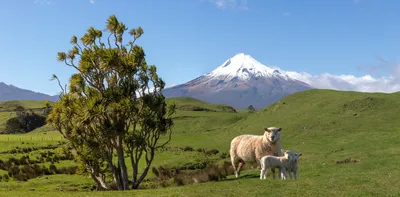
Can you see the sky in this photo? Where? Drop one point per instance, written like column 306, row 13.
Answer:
column 332, row 44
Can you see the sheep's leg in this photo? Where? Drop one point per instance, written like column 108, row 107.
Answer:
column 295, row 174
column 233, row 160
column 258, row 164
column 290, row 173
column 240, row 166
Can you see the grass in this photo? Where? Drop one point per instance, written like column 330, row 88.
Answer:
column 325, row 125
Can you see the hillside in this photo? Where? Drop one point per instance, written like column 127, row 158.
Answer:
column 326, row 126
column 8, row 108
column 192, row 104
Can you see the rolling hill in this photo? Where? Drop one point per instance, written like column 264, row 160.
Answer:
column 327, row 126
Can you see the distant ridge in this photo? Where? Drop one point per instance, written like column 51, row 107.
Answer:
column 10, row 92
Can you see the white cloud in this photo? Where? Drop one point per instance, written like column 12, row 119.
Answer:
column 366, row 83
column 235, row 4
column 286, row 13
column 91, row 1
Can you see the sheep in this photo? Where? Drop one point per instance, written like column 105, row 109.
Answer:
column 294, row 164
column 271, row 162
column 251, row 148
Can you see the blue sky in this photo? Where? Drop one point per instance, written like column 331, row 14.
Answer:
column 338, row 44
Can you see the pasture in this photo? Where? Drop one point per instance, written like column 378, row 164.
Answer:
column 327, row 126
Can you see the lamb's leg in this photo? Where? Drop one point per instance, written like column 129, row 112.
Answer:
column 273, row 173
column 266, row 173
column 263, row 173
column 283, row 173
column 280, row 173
column 290, row 173
column 295, row 174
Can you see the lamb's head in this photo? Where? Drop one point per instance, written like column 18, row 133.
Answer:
column 272, row 134
column 287, row 153
column 296, row 156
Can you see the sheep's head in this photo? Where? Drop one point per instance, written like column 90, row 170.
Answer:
column 287, row 153
column 272, row 134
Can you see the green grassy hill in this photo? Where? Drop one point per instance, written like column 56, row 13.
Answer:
column 192, row 104
column 8, row 108
column 326, row 126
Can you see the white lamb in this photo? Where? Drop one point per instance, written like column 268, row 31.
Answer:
column 272, row 162
column 294, row 164
column 250, row 148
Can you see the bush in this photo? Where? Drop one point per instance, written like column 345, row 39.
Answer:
column 53, row 169
column 24, row 122
column 6, row 178
column 14, row 170
column 188, row 148
column 224, row 155
column 212, row 152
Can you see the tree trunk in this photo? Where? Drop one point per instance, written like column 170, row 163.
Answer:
column 98, row 179
column 135, row 185
column 134, row 168
column 122, row 165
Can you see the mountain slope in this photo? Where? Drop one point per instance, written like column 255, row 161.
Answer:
column 10, row 92
column 240, row 81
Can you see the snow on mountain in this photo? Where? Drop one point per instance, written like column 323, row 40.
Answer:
column 244, row 67
column 240, row 81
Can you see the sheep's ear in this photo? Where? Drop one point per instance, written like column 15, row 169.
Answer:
column 279, row 129
column 266, row 130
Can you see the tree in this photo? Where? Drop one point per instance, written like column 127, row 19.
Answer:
column 25, row 121
column 113, row 106
column 251, row 109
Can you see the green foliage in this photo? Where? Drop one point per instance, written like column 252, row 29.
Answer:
column 25, row 121
column 108, row 109
column 251, row 109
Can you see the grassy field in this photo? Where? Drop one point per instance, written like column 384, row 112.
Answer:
column 326, row 126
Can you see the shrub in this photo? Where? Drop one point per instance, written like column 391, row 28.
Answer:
column 14, row 170
column 53, row 169
column 211, row 152
column 188, row 148
column 25, row 121
column 6, row 178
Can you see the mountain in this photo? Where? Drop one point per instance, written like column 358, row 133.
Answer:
column 10, row 92
column 239, row 82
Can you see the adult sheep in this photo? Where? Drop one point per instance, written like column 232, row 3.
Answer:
column 251, row 148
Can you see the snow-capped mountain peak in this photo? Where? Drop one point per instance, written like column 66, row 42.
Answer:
column 239, row 82
column 244, row 67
